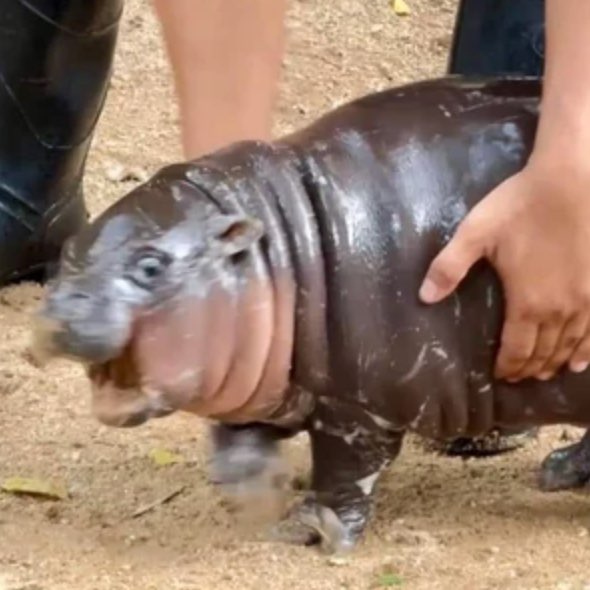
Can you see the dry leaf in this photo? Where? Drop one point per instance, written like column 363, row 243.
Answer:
column 34, row 487
column 400, row 7
column 162, row 457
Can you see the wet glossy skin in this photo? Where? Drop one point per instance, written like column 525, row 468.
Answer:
column 393, row 175
column 354, row 208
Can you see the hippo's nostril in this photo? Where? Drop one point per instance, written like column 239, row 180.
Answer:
column 66, row 303
column 76, row 300
column 79, row 296
column 84, row 325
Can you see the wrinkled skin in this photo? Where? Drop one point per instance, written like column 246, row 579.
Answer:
column 273, row 289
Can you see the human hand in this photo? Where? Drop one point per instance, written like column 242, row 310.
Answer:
column 535, row 230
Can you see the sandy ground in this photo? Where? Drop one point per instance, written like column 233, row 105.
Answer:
column 439, row 523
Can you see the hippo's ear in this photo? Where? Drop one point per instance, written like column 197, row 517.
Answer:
column 233, row 234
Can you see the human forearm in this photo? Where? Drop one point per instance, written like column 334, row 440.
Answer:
column 564, row 127
column 226, row 58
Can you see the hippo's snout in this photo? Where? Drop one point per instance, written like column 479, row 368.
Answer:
column 80, row 324
column 65, row 340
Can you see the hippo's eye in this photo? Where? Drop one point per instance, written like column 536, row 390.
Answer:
column 148, row 268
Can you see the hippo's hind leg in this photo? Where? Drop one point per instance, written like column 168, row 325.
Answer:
column 348, row 456
column 568, row 467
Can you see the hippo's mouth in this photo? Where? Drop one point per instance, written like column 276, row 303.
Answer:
column 156, row 372
column 118, row 396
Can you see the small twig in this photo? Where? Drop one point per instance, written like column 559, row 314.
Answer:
column 163, row 500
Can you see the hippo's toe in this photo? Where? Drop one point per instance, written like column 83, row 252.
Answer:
column 294, row 532
column 566, row 468
column 313, row 524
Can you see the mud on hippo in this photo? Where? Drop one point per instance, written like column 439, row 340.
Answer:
column 272, row 289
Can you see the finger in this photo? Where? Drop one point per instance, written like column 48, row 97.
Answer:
column 451, row 265
column 547, row 340
column 581, row 358
column 519, row 338
column 571, row 336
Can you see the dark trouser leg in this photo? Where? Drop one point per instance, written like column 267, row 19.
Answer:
column 498, row 37
column 55, row 64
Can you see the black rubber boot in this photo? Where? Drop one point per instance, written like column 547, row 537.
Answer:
column 55, row 64
column 499, row 37
column 496, row 38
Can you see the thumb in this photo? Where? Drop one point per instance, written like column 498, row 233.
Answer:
column 451, row 265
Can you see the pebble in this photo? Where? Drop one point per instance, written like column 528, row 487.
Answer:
column 566, row 436
column 411, row 537
column 130, row 540
column 116, row 172
column 52, row 513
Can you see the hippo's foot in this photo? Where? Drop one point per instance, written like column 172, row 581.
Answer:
column 567, row 468
column 246, row 461
column 349, row 451
column 494, row 443
column 311, row 523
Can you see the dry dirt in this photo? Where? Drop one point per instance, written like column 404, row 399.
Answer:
column 440, row 523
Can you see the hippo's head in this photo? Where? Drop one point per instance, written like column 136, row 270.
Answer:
column 148, row 297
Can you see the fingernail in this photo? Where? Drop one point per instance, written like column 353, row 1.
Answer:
column 545, row 376
column 579, row 366
column 429, row 291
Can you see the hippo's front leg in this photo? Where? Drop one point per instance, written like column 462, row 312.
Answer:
column 568, row 467
column 348, row 455
column 246, row 457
